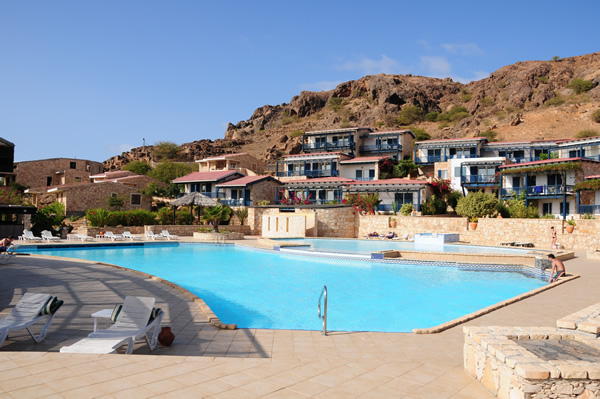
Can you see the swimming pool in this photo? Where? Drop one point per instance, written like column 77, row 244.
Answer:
column 368, row 246
column 264, row 289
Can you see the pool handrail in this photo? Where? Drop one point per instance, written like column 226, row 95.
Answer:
column 324, row 316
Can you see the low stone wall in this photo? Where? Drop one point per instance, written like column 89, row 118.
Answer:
column 176, row 229
column 498, row 358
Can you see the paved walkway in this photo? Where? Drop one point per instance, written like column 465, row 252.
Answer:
column 208, row 362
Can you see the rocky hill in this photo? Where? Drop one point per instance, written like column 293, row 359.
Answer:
column 526, row 100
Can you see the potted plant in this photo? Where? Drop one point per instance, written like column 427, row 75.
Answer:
column 393, row 223
column 570, row 226
column 473, row 223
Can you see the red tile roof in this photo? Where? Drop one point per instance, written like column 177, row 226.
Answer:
column 364, row 159
column 388, row 182
column 205, row 176
column 312, row 154
column 246, row 181
column 545, row 161
column 461, row 139
column 323, row 180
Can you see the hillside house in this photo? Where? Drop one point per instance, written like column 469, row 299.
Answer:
column 241, row 162
column 7, row 158
column 206, row 182
column 55, row 171
column 248, row 190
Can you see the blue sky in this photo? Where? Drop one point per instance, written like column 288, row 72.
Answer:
column 91, row 79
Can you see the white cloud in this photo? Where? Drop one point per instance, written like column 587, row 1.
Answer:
column 462, row 48
column 369, row 66
column 436, row 66
column 323, row 85
column 425, row 44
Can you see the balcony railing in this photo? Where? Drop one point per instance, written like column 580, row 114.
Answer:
column 537, row 191
column 309, row 173
column 430, row 159
column 593, row 209
column 380, row 148
column 315, row 201
column 364, row 178
column 339, row 145
column 235, row 202
column 211, row 194
column 479, row 180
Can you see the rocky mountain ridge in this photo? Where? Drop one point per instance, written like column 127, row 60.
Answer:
column 526, row 100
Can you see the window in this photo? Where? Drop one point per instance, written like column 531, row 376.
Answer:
column 442, row 174
column 114, row 195
column 77, row 179
column 136, row 199
column 371, row 174
column 403, row 198
column 358, row 174
column 555, row 179
column 73, row 165
column 547, row 208
column 49, row 180
column 567, row 211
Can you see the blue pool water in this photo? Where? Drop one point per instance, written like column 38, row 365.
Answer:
column 368, row 246
column 259, row 289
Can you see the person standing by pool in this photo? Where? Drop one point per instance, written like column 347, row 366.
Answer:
column 553, row 232
column 557, row 265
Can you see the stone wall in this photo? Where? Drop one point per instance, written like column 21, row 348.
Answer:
column 36, row 173
column 263, row 190
column 180, row 230
column 80, row 198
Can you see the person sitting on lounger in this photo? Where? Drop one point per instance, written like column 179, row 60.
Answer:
column 373, row 235
column 558, row 268
column 390, row 235
column 5, row 243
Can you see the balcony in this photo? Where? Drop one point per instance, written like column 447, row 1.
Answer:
column 235, row 202
column 479, row 180
column 338, row 145
column 383, row 147
column 442, row 158
column 537, row 191
column 593, row 209
column 308, row 173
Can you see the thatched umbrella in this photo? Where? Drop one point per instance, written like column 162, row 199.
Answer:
column 192, row 199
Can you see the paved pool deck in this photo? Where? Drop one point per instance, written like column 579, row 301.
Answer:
column 205, row 361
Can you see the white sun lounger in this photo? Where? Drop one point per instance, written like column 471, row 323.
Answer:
column 113, row 236
column 151, row 236
column 29, row 311
column 46, row 235
column 132, row 324
column 83, row 237
column 127, row 235
column 169, row 236
column 7, row 256
column 28, row 236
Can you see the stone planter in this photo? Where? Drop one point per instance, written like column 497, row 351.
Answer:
column 393, row 224
column 569, row 228
column 473, row 226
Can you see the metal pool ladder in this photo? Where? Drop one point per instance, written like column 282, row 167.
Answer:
column 324, row 316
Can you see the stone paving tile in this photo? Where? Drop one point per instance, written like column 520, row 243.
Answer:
column 240, row 363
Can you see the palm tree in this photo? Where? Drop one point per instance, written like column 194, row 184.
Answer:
column 216, row 214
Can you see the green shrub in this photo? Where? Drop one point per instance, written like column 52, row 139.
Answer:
column 556, row 58
column 98, row 217
column 502, row 210
column 183, row 216
column 587, row 133
column 138, row 217
column 241, row 213
column 459, row 115
column 588, row 216
column 420, row 134
column 296, row 133
column 466, row 98
column 500, row 115
column 453, row 197
column 581, row 85
column 547, row 216
column 543, row 79
column 456, row 109
column 443, row 117
column 477, row 205
column 165, row 215
column 490, row 134
column 487, row 101
column 432, row 116
column 379, row 123
column 264, row 202
column 517, row 209
column 596, row 116
column 116, row 202
column 165, row 150
column 138, row 167
column 409, row 114
column 335, row 103
column 434, row 206
column 554, row 101
column 168, row 171
column 406, row 209
column 48, row 217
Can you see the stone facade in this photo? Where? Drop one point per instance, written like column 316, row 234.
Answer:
column 78, row 198
column 56, row 171
column 239, row 161
column 180, row 230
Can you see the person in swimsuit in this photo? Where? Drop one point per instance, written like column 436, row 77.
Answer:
column 5, row 243
column 553, row 246
column 558, row 268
